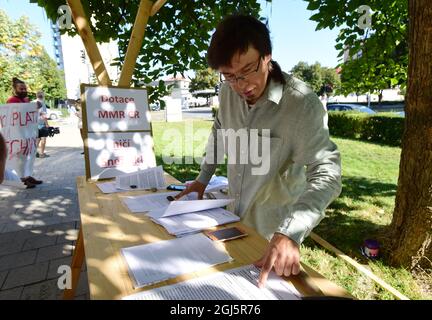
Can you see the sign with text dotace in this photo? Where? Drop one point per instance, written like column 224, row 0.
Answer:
column 116, row 109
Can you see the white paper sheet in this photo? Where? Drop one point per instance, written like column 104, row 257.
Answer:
column 188, row 206
column 143, row 179
column 193, row 222
column 155, row 262
column 148, row 202
column 234, row 284
column 108, row 187
column 158, row 206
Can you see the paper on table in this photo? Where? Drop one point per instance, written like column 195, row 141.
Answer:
column 157, row 205
column 216, row 183
column 188, row 206
column 235, row 284
column 142, row 179
column 108, row 187
column 197, row 221
column 155, row 262
column 148, row 202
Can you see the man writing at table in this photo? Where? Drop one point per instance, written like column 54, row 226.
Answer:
column 287, row 200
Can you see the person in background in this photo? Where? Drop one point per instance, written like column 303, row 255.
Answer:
column 19, row 92
column 20, row 95
column 43, row 122
column 78, row 114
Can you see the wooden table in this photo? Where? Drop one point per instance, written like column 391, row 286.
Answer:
column 107, row 226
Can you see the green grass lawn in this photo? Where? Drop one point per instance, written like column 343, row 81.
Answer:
column 362, row 211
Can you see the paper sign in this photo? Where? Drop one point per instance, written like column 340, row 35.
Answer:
column 18, row 125
column 113, row 153
column 116, row 122
column 116, row 109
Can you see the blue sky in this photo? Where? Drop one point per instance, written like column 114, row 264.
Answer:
column 293, row 34
column 294, row 37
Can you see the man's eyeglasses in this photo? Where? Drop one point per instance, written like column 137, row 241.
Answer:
column 233, row 79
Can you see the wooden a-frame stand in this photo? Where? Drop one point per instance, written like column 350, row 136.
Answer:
column 145, row 10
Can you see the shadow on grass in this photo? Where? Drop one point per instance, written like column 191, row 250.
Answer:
column 360, row 189
column 342, row 227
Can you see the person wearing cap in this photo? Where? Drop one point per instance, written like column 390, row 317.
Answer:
column 288, row 199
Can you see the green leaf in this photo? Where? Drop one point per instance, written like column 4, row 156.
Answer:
column 313, row 5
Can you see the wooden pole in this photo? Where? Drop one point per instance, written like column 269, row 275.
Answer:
column 83, row 28
column 358, row 266
column 77, row 262
column 135, row 42
column 156, row 6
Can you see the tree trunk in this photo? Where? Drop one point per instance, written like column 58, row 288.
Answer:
column 411, row 228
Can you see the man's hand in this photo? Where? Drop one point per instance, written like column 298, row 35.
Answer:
column 193, row 187
column 283, row 254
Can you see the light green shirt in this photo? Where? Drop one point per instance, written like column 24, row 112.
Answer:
column 304, row 172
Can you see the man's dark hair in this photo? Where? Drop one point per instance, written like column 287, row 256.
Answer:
column 235, row 34
column 16, row 81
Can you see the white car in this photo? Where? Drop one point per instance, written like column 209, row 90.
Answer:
column 53, row 114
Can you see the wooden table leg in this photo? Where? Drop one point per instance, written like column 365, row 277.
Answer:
column 77, row 261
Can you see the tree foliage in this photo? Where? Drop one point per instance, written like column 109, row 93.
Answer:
column 378, row 56
column 22, row 56
column 320, row 79
column 176, row 38
column 204, row 79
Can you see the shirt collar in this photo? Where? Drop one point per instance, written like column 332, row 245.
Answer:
column 273, row 93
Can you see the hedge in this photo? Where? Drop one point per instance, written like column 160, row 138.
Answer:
column 383, row 128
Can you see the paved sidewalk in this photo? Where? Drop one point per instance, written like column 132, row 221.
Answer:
column 38, row 227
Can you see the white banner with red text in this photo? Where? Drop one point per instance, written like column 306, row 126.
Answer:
column 18, row 125
column 118, row 130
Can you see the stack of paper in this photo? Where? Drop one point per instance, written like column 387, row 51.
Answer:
column 140, row 180
column 180, row 225
column 234, row 284
column 163, row 260
column 182, row 216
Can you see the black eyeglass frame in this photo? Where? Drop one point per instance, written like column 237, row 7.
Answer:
column 242, row 77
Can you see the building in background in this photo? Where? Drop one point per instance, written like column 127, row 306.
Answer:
column 58, row 50
column 180, row 89
column 71, row 57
